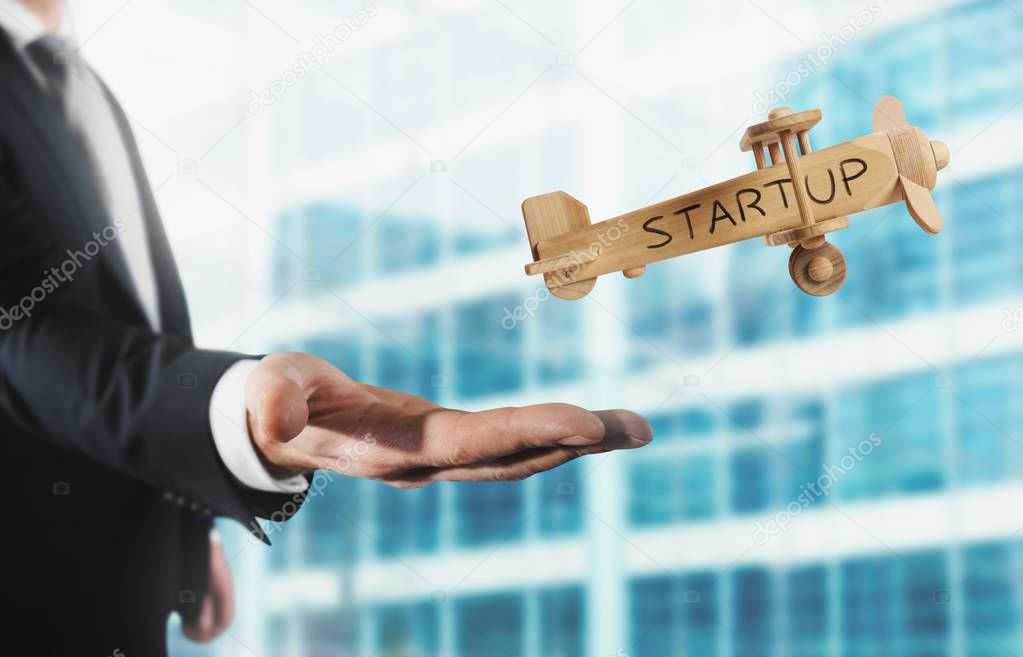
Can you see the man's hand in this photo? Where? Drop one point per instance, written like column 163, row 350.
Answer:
column 217, row 609
column 305, row 414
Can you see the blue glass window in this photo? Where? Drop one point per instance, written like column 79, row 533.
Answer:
column 698, row 614
column 651, row 491
column 408, row 355
column 328, row 239
column 750, row 479
column 343, row 352
column 558, row 353
column 560, row 491
column 990, row 601
column 489, row 626
column 697, row 493
column 926, row 596
column 331, row 517
column 869, row 598
column 694, row 423
column 325, row 631
column 488, row 357
column 405, row 244
column 407, row 521
column 984, row 240
column 984, row 421
column 806, row 607
column 651, row 626
column 562, row 622
column 489, row 512
column 753, row 605
column 406, row 629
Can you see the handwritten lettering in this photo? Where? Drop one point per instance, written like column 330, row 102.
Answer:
column 749, row 206
column 689, row 220
column 647, row 227
column 846, row 178
column 829, row 199
column 747, row 202
column 720, row 214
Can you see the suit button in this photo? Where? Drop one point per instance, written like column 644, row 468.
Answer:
column 168, row 496
column 180, row 501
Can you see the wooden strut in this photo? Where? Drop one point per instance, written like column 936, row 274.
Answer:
column 816, row 267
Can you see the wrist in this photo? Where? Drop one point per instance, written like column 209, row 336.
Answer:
column 273, row 456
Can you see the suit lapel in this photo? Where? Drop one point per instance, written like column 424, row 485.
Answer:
column 69, row 162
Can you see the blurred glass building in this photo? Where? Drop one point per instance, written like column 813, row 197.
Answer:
column 830, row 477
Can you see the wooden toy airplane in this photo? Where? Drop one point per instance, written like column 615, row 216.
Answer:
column 895, row 163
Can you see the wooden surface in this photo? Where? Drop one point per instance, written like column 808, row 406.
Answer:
column 758, row 203
column 799, row 198
column 806, row 232
column 788, row 146
column 549, row 216
column 921, row 207
column 889, row 113
column 819, row 271
column 767, row 132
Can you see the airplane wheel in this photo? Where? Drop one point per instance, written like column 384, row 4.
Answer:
column 819, row 271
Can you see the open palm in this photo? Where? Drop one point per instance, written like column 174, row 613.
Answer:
column 305, row 414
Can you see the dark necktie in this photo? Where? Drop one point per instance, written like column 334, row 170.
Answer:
column 57, row 61
column 54, row 58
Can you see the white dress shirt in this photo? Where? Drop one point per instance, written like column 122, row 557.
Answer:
column 92, row 117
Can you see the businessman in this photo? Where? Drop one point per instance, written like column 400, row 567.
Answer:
column 122, row 440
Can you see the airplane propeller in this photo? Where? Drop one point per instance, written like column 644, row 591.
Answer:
column 890, row 117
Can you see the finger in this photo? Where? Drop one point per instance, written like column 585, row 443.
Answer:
column 508, row 468
column 629, row 430
column 275, row 398
column 201, row 629
column 456, row 438
column 221, row 588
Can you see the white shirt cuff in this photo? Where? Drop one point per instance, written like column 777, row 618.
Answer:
column 229, row 424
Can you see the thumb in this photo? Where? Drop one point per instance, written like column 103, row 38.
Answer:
column 275, row 399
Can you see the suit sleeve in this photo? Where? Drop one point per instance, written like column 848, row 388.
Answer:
column 125, row 396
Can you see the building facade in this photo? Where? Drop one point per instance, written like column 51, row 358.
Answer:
column 836, row 477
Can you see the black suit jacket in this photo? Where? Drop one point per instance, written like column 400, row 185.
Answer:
column 110, row 475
